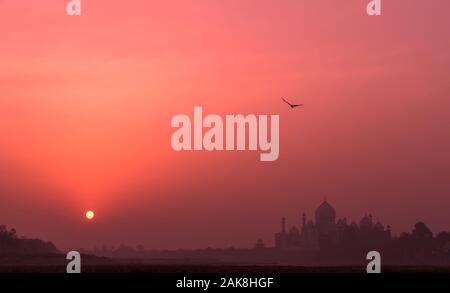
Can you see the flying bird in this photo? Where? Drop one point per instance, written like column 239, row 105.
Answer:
column 291, row 105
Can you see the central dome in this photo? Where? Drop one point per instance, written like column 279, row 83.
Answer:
column 325, row 213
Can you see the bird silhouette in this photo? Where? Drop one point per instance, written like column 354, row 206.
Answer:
column 291, row 105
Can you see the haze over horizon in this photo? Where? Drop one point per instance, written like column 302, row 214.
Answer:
column 86, row 104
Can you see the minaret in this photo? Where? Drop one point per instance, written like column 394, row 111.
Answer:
column 303, row 220
column 283, row 225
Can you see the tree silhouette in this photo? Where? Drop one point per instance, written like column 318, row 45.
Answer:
column 11, row 243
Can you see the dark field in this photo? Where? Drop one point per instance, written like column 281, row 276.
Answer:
column 213, row 269
column 56, row 263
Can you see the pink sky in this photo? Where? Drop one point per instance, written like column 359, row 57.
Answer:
column 86, row 104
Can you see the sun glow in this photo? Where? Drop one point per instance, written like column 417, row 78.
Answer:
column 90, row 215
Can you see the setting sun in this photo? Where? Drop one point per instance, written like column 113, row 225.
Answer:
column 90, row 215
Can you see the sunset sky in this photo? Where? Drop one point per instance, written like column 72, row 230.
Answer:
column 86, row 104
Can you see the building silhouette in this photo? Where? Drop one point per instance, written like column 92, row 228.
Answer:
column 327, row 232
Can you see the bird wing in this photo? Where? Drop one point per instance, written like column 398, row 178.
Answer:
column 292, row 105
column 287, row 102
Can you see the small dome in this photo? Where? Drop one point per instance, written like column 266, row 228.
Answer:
column 342, row 222
column 366, row 222
column 294, row 231
column 379, row 226
column 325, row 213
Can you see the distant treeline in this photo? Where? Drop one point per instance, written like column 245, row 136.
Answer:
column 418, row 247
column 11, row 243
